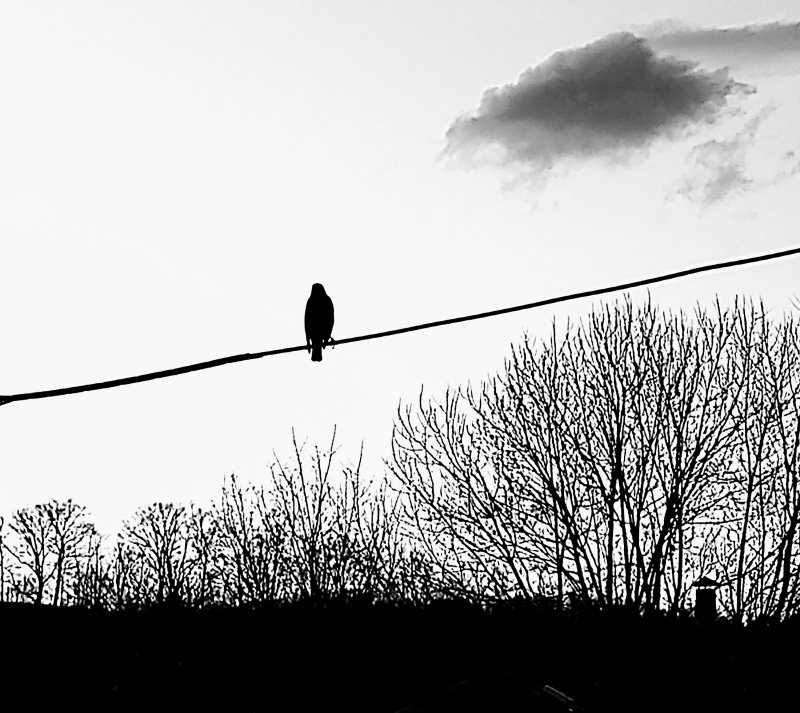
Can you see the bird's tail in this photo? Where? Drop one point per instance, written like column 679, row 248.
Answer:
column 316, row 351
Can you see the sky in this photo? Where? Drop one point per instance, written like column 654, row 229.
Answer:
column 175, row 175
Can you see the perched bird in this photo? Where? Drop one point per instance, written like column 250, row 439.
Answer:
column 319, row 321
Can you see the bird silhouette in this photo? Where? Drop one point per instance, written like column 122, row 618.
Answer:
column 319, row 321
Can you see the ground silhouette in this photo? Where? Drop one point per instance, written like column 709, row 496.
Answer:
column 388, row 657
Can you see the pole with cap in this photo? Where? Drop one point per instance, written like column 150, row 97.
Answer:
column 705, row 600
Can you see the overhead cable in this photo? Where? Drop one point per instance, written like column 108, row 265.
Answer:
column 403, row 330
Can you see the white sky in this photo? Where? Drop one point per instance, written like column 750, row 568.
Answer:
column 175, row 175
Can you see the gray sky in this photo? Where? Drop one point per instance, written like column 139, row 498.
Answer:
column 175, row 175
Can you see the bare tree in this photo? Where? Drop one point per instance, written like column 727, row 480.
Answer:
column 69, row 535
column 342, row 534
column 207, row 560
column 32, row 528
column 250, row 542
column 92, row 584
column 753, row 542
column 157, row 545
column 589, row 467
column 2, row 560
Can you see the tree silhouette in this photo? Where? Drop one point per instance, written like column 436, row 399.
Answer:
column 616, row 462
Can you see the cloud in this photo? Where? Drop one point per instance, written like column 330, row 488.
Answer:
column 607, row 98
column 722, row 167
column 719, row 166
column 774, row 46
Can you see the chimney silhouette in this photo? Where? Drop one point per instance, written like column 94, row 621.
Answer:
column 705, row 600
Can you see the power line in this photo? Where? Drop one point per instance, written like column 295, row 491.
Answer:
column 403, row 330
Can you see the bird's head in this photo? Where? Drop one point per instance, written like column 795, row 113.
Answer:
column 317, row 289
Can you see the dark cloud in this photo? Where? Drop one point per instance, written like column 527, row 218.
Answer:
column 606, row 98
column 774, row 46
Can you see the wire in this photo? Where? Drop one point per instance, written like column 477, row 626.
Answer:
column 403, row 330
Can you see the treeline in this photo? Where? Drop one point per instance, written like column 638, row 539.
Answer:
column 306, row 533
column 613, row 463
